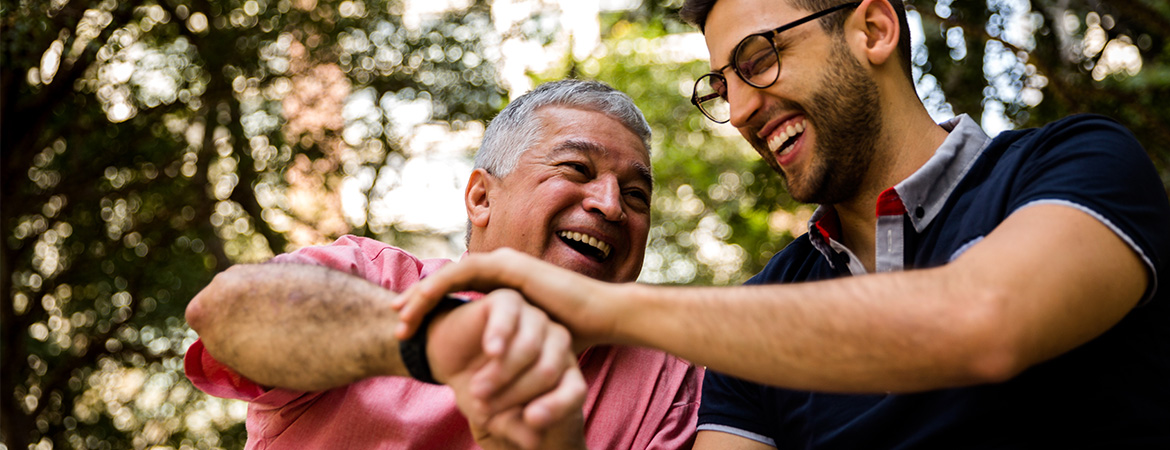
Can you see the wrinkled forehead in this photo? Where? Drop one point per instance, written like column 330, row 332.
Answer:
column 559, row 122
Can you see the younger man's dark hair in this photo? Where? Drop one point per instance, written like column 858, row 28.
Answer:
column 695, row 13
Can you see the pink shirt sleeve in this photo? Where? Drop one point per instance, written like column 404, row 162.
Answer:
column 387, row 266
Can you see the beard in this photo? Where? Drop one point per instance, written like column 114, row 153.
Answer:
column 845, row 112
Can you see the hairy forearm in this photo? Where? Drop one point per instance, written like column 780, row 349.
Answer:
column 296, row 326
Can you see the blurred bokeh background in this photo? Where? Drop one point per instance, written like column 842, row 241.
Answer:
column 149, row 144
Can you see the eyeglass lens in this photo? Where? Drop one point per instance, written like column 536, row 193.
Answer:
column 756, row 62
column 711, row 97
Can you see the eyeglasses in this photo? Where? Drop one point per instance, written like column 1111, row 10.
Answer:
column 756, row 61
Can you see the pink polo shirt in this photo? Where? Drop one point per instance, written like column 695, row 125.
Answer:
column 637, row 398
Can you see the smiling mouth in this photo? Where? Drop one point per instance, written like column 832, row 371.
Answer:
column 782, row 143
column 585, row 244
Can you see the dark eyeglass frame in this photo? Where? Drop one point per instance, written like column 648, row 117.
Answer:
column 770, row 36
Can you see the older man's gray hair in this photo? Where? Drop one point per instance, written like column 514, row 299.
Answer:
column 516, row 128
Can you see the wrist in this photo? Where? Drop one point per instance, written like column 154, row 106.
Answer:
column 413, row 350
column 628, row 313
column 435, row 347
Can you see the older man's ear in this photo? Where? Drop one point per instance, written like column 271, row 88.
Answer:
column 477, row 197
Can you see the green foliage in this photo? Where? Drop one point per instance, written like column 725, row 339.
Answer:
column 150, row 144
column 1066, row 63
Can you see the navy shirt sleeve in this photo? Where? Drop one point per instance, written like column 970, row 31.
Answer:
column 1094, row 164
column 734, row 406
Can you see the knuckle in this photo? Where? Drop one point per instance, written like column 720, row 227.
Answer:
column 558, row 340
column 559, row 332
column 547, row 371
column 576, row 387
column 527, row 347
column 538, row 315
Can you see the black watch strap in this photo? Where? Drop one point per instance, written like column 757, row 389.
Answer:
column 414, row 349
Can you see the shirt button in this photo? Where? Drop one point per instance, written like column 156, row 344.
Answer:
column 919, row 212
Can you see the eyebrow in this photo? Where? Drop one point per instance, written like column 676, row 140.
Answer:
column 584, row 146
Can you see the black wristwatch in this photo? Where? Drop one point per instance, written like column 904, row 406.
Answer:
column 414, row 349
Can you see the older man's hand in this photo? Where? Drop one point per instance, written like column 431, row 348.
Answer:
column 501, row 337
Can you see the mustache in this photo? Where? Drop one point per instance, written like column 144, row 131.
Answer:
column 775, row 108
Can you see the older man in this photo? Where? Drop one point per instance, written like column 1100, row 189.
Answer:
column 954, row 290
column 563, row 175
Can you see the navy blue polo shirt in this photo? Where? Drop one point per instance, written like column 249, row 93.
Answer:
column 1110, row 393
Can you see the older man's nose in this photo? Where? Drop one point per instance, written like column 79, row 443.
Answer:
column 605, row 198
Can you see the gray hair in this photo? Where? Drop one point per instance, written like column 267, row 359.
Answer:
column 516, row 128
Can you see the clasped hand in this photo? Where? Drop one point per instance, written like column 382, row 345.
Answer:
column 513, row 370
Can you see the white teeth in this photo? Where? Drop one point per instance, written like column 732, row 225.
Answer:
column 590, row 240
column 774, row 143
column 784, row 135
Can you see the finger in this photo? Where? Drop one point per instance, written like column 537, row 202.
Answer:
column 414, row 303
column 478, row 272
column 400, row 300
column 411, row 314
column 503, row 320
column 511, row 427
column 520, row 385
column 559, row 404
column 524, row 350
column 478, row 414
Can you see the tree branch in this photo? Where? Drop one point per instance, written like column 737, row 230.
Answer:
column 245, row 191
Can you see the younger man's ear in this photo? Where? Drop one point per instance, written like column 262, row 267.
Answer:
column 878, row 22
column 477, row 197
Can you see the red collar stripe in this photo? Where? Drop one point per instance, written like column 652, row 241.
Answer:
column 889, row 204
column 829, row 226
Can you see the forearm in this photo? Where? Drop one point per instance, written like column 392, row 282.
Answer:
column 1023, row 295
column 864, row 334
column 297, row 326
column 889, row 332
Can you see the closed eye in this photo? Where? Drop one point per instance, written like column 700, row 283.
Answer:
column 577, row 167
column 639, row 196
